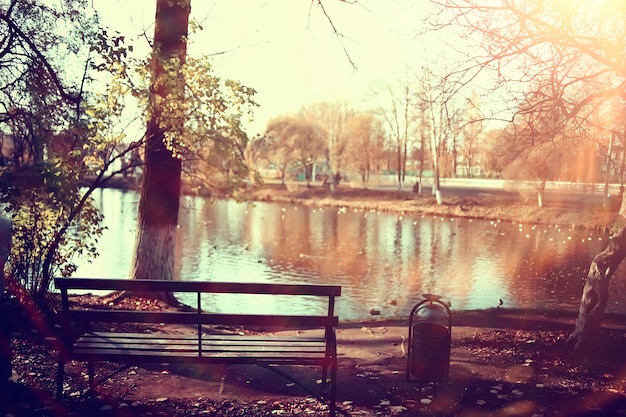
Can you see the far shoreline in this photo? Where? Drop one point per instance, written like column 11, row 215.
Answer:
column 513, row 208
column 510, row 209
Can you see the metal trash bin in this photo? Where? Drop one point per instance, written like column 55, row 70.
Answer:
column 430, row 334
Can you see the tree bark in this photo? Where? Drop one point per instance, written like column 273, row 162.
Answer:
column 161, row 183
column 595, row 293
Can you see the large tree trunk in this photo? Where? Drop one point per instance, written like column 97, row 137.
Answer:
column 595, row 293
column 160, row 191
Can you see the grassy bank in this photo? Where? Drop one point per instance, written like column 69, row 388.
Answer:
column 514, row 209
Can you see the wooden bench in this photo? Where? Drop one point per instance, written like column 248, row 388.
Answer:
column 91, row 345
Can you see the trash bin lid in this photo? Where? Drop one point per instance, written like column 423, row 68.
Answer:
column 432, row 311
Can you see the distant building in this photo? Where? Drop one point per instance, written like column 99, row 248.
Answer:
column 471, row 167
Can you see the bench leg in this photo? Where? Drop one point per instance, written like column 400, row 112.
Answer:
column 333, row 387
column 60, row 378
column 92, row 379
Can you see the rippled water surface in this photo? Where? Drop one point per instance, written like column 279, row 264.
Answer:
column 383, row 261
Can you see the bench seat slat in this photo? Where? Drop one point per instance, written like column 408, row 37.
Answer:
column 110, row 347
column 192, row 357
column 147, row 350
column 223, row 344
column 121, row 350
column 91, row 349
column 216, row 338
column 161, row 339
column 213, row 339
column 179, row 317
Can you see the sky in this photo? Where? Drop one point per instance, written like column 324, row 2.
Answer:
column 288, row 50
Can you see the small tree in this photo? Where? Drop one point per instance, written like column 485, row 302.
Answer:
column 399, row 118
column 49, row 140
column 363, row 138
column 213, row 144
column 441, row 120
column 332, row 118
column 295, row 142
column 535, row 167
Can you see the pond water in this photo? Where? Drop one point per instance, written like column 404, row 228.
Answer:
column 383, row 261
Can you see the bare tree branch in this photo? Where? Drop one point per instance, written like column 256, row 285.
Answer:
column 336, row 32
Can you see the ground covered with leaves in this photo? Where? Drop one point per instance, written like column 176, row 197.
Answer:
column 503, row 363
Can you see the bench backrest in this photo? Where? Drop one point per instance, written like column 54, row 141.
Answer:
column 200, row 316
